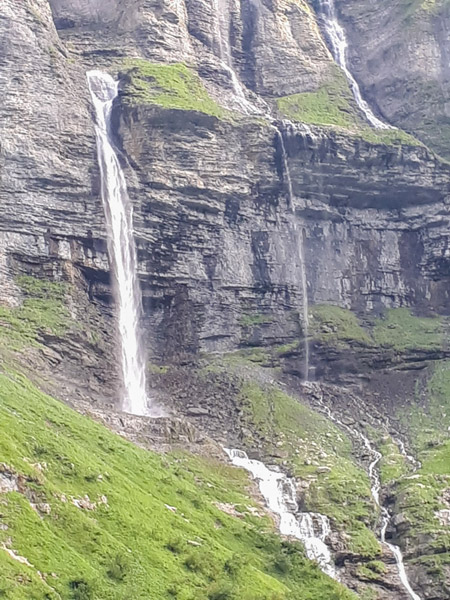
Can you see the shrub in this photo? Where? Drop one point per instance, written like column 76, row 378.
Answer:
column 176, row 545
column 220, row 590
column 118, row 567
column 81, row 590
column 234, row 564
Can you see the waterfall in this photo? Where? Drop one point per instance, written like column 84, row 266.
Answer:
column 298, row 235
column 339, row 45
column 121, row 248
column 279, row 493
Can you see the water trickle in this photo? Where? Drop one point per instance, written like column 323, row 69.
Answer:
column 299, row 244
column 386, row 518
column 279, row 493
column 339, row 46
column 375, row 490
column 121, row 247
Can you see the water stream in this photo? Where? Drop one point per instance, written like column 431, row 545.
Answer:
column 386, row 518
column 374, row 476
column 339, row 46
column 279, row 492
column 121, row 247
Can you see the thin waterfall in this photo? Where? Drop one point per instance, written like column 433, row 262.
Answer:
column 339, row 46
column 223, row 41
column 280, row 495
column 121, row 247
column 298, row 234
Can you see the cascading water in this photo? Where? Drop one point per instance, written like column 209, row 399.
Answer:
column 301, row 257
column 385, row 518
column 339, row 47
column 121, row 248
column 375, row 490
column 279, row 494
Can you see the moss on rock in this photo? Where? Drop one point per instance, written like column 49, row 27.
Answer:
column 169, row 85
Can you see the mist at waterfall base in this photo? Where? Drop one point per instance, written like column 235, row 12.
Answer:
column 339, row 46
column 121, row 248
column 280, row 496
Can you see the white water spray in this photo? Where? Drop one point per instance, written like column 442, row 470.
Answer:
column 279, row 493
column 121, row 248
column 339, row 46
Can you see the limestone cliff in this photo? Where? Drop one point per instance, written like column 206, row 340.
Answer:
column 248, row 164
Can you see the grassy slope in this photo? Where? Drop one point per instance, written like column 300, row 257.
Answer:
column 129, row 544
column 133, row 546
column 420, row 497
column 171, row 86
column 333, row 105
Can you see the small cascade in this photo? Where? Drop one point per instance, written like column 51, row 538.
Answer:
column 375, row 490
column 339, row 46
column 278, row 490
column 385, row 518
column 416, row 464
column 121, row 247
column 298, row 235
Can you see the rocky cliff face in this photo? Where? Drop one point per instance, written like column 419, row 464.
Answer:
column 249, row 166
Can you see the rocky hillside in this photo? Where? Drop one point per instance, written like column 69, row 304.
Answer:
column 261, row 196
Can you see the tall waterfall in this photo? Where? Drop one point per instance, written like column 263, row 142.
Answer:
column 339, row 46
column 279, row 493
column 121, row 248
column 298, row 234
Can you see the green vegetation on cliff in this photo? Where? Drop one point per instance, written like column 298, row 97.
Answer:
column 398, row 329
column 333, row 323
column 404, row 331
column 171, row 86
column 42, row 310
column 328, row 106
column 333, row 105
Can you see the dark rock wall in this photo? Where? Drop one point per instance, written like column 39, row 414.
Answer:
column 216, row 238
